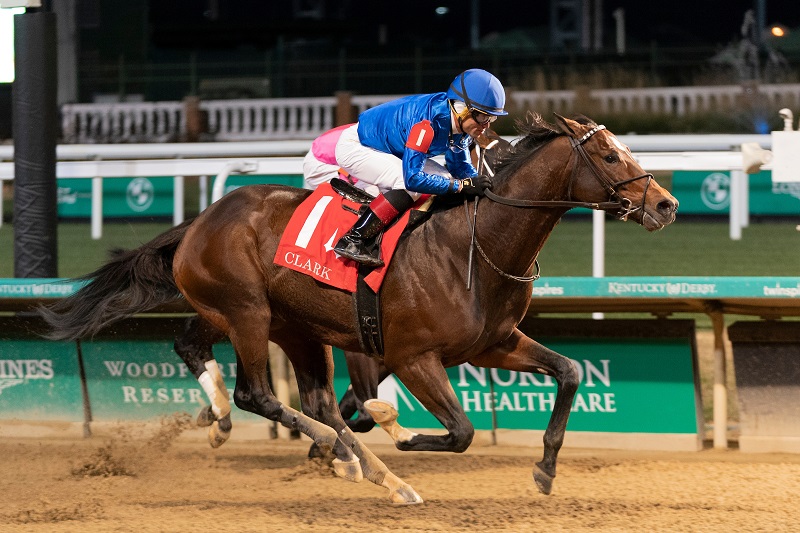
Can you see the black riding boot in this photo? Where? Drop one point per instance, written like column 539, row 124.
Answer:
column 358, row 243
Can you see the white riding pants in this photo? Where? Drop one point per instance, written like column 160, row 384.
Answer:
column 383, row 170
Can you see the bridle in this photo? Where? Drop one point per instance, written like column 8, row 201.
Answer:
column 619, row 203
column 622, row 206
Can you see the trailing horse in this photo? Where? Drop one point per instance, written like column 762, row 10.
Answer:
column 222, row 264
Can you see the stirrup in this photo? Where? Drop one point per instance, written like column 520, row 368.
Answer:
column 356, row 252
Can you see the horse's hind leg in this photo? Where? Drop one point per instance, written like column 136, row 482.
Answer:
column 250, row 339
column 194, row 347
column 313, row 364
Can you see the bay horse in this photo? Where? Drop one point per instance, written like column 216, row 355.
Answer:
column 222, row 264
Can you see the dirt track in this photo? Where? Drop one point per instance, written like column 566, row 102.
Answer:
column 107, row 485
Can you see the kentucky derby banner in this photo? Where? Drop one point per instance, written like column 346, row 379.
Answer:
column 685, row 287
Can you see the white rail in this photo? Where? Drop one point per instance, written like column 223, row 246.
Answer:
column 305, row 118
column 222, row 167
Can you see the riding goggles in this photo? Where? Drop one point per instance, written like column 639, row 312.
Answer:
column 482, row 118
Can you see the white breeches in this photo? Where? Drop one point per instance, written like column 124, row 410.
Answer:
column 315, row 173
column 383, row 170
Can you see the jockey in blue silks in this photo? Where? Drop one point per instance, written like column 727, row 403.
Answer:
column 391, row 146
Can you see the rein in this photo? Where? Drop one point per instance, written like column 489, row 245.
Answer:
column 618, row 203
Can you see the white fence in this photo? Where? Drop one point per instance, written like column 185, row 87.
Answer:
column 305, row 118
column 221, row 159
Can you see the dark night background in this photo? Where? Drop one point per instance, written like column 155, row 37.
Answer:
column 213, row 23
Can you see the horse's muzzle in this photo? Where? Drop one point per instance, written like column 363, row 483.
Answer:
column 658, row 213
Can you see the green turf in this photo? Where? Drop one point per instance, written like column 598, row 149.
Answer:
column 686, row 248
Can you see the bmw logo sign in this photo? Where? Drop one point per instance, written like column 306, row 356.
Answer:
column 716, row 191
column 140, row 194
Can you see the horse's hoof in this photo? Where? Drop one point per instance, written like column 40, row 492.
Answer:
column 217, row 437
column 405, row 495
column 205, row 417
column 349, row 470
column 544, row 481
column 381, row 411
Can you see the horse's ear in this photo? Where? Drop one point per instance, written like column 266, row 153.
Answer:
column 570, row 127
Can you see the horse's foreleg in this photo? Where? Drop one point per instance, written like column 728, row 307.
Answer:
column 521, row 354
column 366, row 374
column 194, row 347
column 377, row 472
column 427, row 380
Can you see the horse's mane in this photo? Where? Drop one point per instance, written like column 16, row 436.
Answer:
column 534, row 133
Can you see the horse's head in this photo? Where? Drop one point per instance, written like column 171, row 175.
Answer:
column 605, row 170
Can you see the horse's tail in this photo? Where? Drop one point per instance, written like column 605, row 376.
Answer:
column 131, row 282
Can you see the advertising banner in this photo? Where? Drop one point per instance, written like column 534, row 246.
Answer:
column 140, row 378
column 238, row 180
column 708, row 193
column 122, row 197
column 39, row 380
column 630, row 383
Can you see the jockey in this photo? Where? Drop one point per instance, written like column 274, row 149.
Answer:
column 391, row 146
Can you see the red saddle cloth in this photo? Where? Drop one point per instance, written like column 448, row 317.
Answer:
column 316, row 226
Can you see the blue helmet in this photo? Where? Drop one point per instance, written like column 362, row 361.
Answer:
column 479, row 90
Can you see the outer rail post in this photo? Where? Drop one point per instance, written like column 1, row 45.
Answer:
column 737, row 206
column 720, row 382
column 598, row 249
column 97, row 208
column 177, row 200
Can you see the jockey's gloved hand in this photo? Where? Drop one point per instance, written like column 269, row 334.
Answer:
column 476, row 185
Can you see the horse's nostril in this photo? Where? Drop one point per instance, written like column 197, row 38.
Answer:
column 667, row 206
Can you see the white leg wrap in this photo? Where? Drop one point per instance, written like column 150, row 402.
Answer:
column 213, row 368
column 218, row 398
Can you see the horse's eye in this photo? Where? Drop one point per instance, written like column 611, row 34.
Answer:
column 611, row 158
